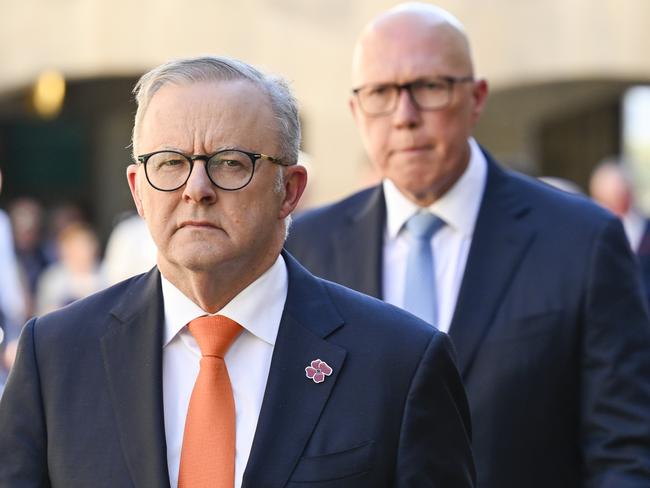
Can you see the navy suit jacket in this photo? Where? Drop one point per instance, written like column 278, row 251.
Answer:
column 552, row 335
column 83, row 405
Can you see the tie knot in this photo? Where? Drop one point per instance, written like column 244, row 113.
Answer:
column 214, row 334
column 423, row 225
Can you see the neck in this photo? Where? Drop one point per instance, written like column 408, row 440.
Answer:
column 213, row 289
column 428, row 197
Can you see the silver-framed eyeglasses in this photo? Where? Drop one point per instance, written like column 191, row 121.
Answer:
column 228, row 169
column 426, row 93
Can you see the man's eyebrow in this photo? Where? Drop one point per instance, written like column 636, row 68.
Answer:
column 171, row 148
column 228, row 147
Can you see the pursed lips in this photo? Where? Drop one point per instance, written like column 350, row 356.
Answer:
column 197, row 224
column 412, row 149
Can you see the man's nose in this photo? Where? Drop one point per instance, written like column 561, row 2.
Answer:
column 407, row 113
column 199, row 188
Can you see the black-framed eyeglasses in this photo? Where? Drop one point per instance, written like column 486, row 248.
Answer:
column 228, row 169
column 426, row 93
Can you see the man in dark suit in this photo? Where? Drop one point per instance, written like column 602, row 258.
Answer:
column 315, row 385
column 537, row 288
column 611, row 186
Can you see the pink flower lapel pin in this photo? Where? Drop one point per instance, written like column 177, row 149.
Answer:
column 317, row 371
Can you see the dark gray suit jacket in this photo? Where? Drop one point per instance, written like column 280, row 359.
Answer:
column 83, row 405
column 551, row 329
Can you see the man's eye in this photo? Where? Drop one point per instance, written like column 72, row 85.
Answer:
column 429, row 86
column 228, row 164
column 169, row 163
column 231, row 163
column 172, row 162
column 378, row 91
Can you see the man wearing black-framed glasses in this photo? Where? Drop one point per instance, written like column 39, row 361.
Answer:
column 376, row 99
column 228, row 365
column 228, row 169
column 537, row 289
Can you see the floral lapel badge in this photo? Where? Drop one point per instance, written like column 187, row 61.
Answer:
column 317, row 371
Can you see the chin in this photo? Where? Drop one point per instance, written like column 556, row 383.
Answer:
column 199, row 256
column 201, row 265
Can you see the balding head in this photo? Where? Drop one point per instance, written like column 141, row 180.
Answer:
column 422, row 29
column 611, row 187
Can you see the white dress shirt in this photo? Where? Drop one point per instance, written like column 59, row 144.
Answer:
column 634, row 224
column 258, row 309
column 458, row 207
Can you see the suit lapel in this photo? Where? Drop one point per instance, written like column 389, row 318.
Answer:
column 360, row 245
column 293, row 403
column 132, row 353
column 501, row 237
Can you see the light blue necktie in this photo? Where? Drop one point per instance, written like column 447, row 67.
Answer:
column 420, row 294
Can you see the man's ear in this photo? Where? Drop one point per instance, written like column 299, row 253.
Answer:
column 134, row 186
column 354, row 108
column 479, row 94
column 295, row 182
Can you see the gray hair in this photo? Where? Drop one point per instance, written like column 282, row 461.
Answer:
column 215, row 68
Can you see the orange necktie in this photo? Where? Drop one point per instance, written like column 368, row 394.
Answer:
column 208, row 452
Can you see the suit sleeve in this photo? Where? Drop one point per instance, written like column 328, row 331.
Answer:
column 615, row 368
column 435, row 438
column 23, row 438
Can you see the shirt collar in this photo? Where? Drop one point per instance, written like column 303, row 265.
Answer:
column 258, row 308
column 634, row 224
column 458, row 207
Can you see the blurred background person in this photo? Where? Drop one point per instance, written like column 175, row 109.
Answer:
column 26, row 215
column 537, row 287
column 59, row 217
column 77, row 273
column 36, row 239
column 130, row 250
column 611, row 186
column 12, row 296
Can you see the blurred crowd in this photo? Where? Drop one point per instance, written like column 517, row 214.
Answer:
column 51, row 257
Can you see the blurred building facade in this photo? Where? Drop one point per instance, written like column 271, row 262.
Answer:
column 558, row 72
